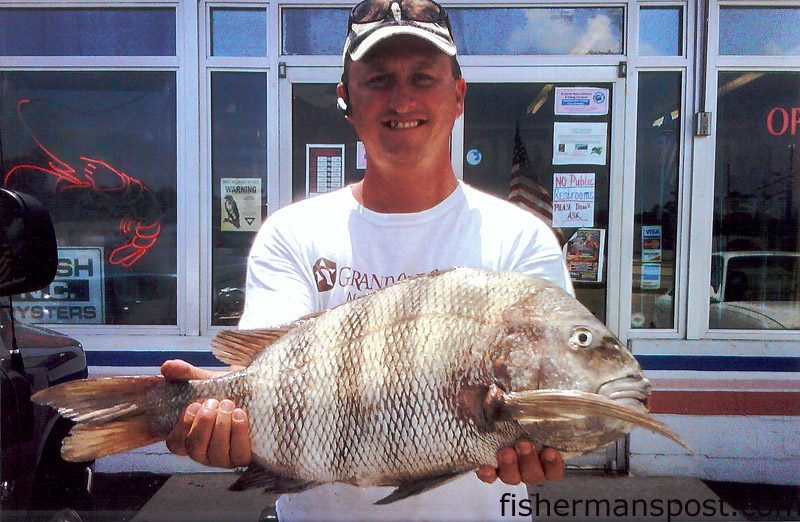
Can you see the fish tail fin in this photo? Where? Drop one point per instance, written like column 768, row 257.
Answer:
column 112, row 414
column 90, row 442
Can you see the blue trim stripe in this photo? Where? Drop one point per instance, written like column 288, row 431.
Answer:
column 149, row 359
column 717, row 363
column 709, row 363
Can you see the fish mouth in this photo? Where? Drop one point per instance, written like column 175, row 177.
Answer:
column 631, row 390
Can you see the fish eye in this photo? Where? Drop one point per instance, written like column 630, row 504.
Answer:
column 582, row 337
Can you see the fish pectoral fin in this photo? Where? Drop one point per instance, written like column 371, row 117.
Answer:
column 256, row 476
column 409, row 489
column 537, row 405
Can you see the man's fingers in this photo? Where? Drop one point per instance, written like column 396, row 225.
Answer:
column 507, row 468
column 487, row 474
column 240, row 451
column 219, row 446
column 176, row 439
column 199, row 435
column 530, row 469
column 553, row 464
column 178, row 370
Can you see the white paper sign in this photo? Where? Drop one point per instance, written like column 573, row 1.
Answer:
column 324, row 168
column 75, row 296
column 240, row 204
column 579, row 143
column 651, row 276
column 651, row 243
column 573, row 200
column 581, row 100
column 584, row 254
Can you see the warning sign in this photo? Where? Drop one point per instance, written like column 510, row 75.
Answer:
column 240, row 204
column 74, row 297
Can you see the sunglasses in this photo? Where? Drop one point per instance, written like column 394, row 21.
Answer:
column 423, row 11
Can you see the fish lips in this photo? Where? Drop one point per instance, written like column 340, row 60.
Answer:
column 631, row 390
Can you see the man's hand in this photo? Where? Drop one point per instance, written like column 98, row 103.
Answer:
column 524, row 464
column 213, row 433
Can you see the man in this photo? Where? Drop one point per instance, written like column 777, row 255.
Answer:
column 402, row 91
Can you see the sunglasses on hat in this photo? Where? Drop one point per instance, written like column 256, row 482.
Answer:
column 425, row 11
column 371, row 21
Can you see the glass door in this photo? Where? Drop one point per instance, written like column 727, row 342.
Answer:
column 548, row 146
column 319, row 151
column 547, row 139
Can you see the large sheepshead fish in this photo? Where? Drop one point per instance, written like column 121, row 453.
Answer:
column 410, row 386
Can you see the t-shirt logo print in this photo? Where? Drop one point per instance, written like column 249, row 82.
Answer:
column 325, row 274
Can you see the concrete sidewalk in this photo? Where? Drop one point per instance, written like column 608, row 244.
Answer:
column 204, row 496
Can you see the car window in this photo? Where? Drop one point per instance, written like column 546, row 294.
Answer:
column 763, row 278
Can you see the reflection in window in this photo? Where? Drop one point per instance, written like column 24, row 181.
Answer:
column 87, row 32
column 660, row 31
column 548, row 31
column 755, row 272
column 238, row 32
column 313, row 31
column 239, row 182
column 99, row 150
column 658, row 132
column 493, row 117
column 759, row 31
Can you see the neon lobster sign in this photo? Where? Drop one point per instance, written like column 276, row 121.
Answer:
column 142, row 220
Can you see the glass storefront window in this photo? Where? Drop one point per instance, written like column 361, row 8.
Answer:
column 767, row 31
column 87, row 32
column 238, row 185
column 755, row 270
column 99, row 150
column 546, row 31
column 238, row 32
column 506, row 122
column 660, row 31
column 655, row 228
column 313, row 31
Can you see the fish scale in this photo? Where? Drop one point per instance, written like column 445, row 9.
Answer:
column 411, row 423
column 408, row 386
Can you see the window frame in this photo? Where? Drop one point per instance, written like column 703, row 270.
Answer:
column 684, row 65
column 230, row 64
column 184, row 66
column 703, row 186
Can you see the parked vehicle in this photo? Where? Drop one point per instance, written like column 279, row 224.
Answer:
column 34, row 478
column 755, row 290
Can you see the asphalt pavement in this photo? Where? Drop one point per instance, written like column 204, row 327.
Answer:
column 197, row 497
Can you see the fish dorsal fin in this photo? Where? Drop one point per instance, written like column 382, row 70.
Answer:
column 240, row 347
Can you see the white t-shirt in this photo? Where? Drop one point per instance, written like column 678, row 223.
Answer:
column 321, row 252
